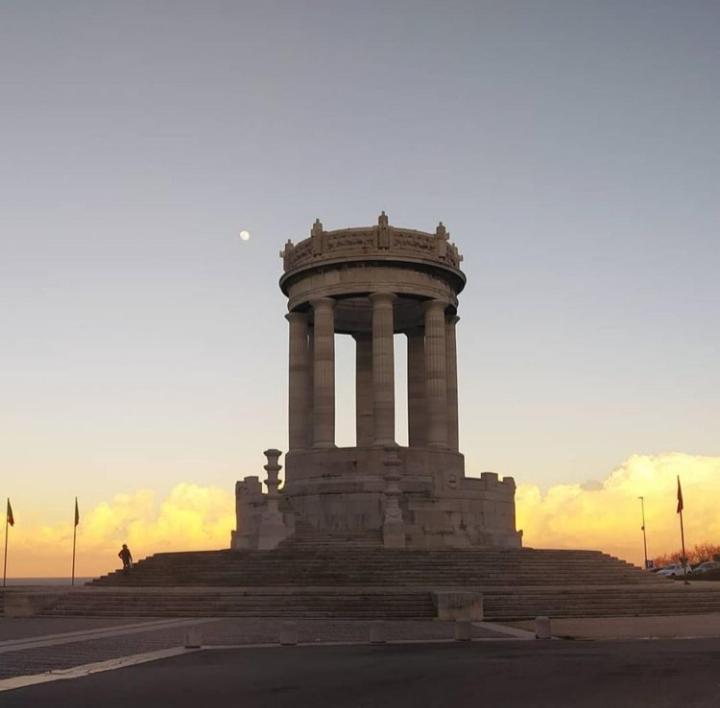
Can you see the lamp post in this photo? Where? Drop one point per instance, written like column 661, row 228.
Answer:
column 642, row 509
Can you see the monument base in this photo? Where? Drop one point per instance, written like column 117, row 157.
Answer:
column 345, row 490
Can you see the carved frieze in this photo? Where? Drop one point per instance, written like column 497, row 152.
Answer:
column 381, row 240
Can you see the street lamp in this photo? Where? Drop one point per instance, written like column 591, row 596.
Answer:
column 642, row 508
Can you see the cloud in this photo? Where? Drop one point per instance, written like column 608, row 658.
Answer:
column 607, row 516
column 191, row 517
column 603, row 515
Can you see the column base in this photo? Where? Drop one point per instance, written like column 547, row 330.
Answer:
column 272, row 531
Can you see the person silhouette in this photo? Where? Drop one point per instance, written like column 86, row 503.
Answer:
column 126, row 557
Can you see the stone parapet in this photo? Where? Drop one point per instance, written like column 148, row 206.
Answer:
column 365, row 243
column 345, row 489
column 249, row 505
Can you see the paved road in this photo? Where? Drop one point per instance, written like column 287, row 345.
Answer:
column 557, row 674
column 36, row 645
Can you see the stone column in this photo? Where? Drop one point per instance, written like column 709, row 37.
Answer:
column 299, row 366
column 324, row 373
column 383, row 359
column 364, row 425
column 310, row 387
column 416, row 387
column 452, row 382
column 436, row 374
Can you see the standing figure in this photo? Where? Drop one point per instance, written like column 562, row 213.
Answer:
column 126, row 557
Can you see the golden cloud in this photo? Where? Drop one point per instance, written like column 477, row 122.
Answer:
column 606, row 515
column 192, row 517
column 603, row 515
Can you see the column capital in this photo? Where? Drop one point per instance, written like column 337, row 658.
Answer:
column 296, row 316
column 321, row 302
column 430, row 305
column 382, row 297
column 418, row 331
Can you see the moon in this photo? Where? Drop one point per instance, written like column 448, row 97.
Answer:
column 245, row 235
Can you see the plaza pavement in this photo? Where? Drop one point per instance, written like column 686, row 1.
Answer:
column 335, row 665
column 601, row 628
column 496, row 674
column 36, row 645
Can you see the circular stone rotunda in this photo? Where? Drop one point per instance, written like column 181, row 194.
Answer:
column 372, row 283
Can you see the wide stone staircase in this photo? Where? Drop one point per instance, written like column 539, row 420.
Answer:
column 297, row 566
column 354, row 578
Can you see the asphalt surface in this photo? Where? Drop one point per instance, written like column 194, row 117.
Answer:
column 553, row 674
column 129, row 637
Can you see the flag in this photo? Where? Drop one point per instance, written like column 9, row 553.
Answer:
column 10, row 517
column 77, row 513
column 680, row 505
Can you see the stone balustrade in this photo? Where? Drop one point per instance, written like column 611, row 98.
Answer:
column 381, row 241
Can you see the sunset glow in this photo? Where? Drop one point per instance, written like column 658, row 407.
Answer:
column 604, row 514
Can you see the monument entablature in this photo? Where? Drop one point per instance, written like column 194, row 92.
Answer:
column 383, row 241
column 373, row 283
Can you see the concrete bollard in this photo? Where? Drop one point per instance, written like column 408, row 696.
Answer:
column 288, row 634
column 193, row 638
column 377, row 632
column 542, row 628
column 463, row 631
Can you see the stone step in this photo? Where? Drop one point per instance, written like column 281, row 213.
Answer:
column 508, row 604
column 516, row 583
column 359, row 605
column 365, row 578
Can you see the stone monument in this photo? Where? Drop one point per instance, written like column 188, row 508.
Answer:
column 372, row 283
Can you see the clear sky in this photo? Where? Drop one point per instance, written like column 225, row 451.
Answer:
column 571, row 148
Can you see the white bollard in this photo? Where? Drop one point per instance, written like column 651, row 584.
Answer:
column 377, row 632
column 193, row 638
column 288, row 634
column 463, row 631
column 542, row 628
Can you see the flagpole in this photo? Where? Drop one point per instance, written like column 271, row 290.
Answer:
column 642, row 507
column 74, row 541
column 684, row 558
column 76, row 521
column 7, row 524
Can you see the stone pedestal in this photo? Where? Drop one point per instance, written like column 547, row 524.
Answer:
column 393, row 526
column 458, row 605
column 272, row 526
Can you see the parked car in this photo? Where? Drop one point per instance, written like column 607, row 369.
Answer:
column 706, row 567
column 676, row 570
